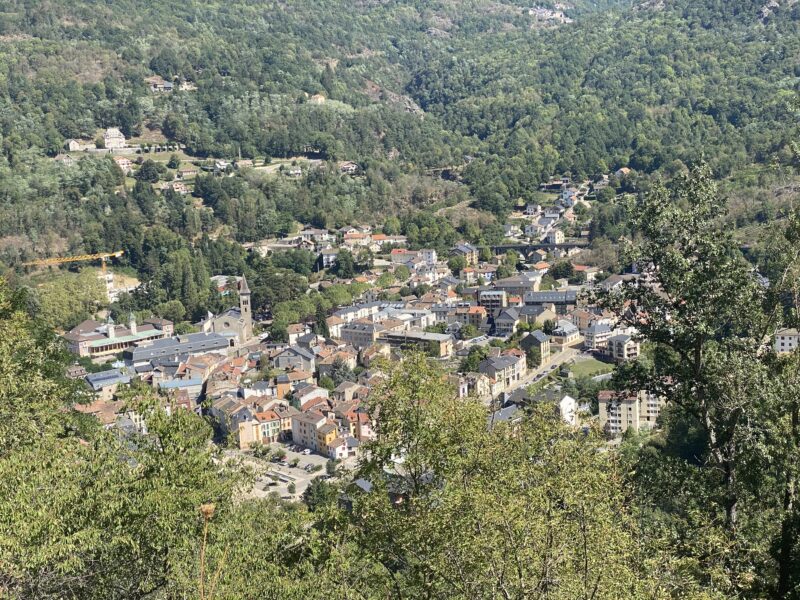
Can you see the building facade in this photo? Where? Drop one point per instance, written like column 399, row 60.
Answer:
column 787, row 340
column 620, row 411
column 235, row 322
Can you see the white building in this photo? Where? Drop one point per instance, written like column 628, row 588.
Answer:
column 329, row 257
column 786, row 340
column 113, row 139
column 568, row 409
column 429, row 256
column 623, row 347
column 304, row 429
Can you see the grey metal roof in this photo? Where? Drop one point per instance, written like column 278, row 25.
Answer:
column 621, row 337
column 559, row 297
column 498, row 363
column 105, row 378
column 193, row 343
column 509, row 314
column 599, row 328
column 565, row 327
column 298, row 351
column 179, row 383
column 504, row 415
column 540, row 336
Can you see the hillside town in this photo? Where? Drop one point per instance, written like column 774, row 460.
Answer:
column 512, row 325
column 498, row 336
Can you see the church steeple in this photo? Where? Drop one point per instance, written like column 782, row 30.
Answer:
column 245, row 307
column 243, row 288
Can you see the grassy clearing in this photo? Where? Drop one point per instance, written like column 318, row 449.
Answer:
column 590, row 368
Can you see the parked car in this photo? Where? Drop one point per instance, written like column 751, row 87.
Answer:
column 306, row 452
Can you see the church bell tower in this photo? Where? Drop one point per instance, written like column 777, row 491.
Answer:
column 245, row 308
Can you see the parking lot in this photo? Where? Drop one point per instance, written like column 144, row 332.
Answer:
column 276, row 476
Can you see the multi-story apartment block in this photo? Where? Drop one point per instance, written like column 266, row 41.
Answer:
column 492, row 300
column 623, row 347
column 305, row 427
column 620, row 411
column 505, row 370
column 360, row 334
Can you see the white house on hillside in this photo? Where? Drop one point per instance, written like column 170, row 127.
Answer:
column 113, row 139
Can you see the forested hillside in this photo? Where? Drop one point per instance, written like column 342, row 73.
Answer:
column 649, row 86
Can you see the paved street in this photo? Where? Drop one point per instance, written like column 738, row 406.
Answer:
column 556, row 360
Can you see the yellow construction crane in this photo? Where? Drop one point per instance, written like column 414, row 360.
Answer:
column 102, row 256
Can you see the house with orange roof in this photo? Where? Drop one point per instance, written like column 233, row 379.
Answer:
column 402, row 256
column 308, row 395
column 373, row 353
column 295, row 330
column 264, row 427
column 365, row 429
column 287, row 382
column 335, row 326
column 343, row 447
column 470, row 315
column 589, row 272
column 476, row 315
column 394, row 324
column 542, row 267
column 357, row 239
column 316, row 403
column 105, row 411
column 468, row 275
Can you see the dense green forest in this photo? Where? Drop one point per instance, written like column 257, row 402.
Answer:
column 410, row 85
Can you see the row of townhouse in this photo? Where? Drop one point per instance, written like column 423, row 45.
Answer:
column 335, row 431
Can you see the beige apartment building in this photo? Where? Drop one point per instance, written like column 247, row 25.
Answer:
column 620, row 411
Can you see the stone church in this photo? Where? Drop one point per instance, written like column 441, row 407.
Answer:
column 236, row 322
